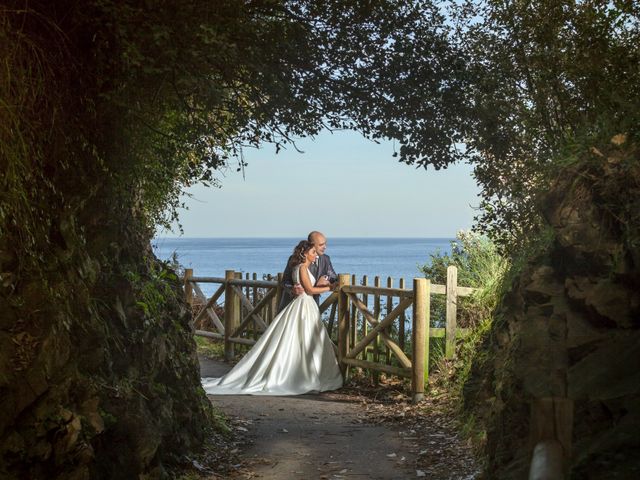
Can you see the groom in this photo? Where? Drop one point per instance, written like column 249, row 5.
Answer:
column 321, row 269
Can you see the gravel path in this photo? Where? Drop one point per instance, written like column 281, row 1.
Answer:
column 314, row 437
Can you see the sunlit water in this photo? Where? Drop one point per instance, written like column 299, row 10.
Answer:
column 385, row 257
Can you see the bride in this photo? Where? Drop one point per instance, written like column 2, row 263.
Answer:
column 294, row 354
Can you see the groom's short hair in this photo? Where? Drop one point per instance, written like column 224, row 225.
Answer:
column 313, row 234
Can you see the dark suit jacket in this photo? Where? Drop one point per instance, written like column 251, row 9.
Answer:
column 321, row 267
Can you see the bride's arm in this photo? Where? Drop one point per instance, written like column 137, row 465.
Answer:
column 306, row 283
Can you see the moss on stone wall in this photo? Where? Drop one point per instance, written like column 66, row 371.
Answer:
column 99, row 373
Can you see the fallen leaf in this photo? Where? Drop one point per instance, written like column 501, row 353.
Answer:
column 619, row 139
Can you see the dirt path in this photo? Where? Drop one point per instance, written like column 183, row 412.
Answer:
column 313, row 436
column 320, row 437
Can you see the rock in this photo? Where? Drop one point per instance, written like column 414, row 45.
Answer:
column 580, row 331
column 616, row 438
column 80, row 473
column 542, row 285
column 14, row 442
column 613, row 301
column 570, row 327
column 610, row 300
column 41, row 451
column 89, row 410
column 578, row 287
column 66, row 439
column 84, row 454
column 83, row 395
column 8, row 347
column 611, row 371
column 8, row 318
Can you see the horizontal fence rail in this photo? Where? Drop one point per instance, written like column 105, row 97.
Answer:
column 369, row 321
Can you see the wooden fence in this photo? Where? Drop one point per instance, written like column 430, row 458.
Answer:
column 371, row 336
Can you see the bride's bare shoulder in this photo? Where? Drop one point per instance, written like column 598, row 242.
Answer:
column 303, row 268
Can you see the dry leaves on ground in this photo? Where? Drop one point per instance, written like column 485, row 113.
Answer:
column 220, row 458
column 428, row 429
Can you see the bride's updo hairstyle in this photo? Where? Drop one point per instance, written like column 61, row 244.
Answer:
column 298, row 255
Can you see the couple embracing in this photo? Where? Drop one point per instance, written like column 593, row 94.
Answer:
column 294, row 355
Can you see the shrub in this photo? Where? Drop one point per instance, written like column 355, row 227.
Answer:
column 480, row 266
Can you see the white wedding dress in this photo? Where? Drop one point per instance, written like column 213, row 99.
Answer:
column 293, row 356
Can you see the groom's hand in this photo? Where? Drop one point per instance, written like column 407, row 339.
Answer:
column 322, row 281
column 297, row 289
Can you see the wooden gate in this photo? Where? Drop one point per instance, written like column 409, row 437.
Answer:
column 378, row 343
column 374, row 328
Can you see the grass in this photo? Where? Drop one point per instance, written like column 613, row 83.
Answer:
column 209, row 348
column 482, row 267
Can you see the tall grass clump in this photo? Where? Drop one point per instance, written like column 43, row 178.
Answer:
column 480, row 266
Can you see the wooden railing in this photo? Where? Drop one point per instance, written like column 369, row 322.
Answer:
column 374, row 338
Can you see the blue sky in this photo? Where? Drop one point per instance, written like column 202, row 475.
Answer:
column 343, row 185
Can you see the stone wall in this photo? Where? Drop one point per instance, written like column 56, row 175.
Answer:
column 98, row 372
column 99, row 376
column 570, row 326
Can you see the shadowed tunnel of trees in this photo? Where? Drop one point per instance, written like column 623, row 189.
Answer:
column 110, row 109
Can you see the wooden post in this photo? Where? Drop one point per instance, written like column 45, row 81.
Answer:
column 254, row 296
column 188, row 288
column 268, row 308
column 452, row 311
column 376, row 343
column 343, row 321
column 427, row 329
column 546, row 461
column 420, row 337
column 247, row 293
column 365, row 324
column 403, row 318
column 229, row 315
column 237, row 305
column 353, row 320
column 389, row 309
column 254, row 301
column 551, row 431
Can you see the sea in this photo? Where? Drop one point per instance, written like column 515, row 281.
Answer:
column 385, row 257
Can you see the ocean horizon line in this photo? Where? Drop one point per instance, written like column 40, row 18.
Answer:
column 442, row 237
